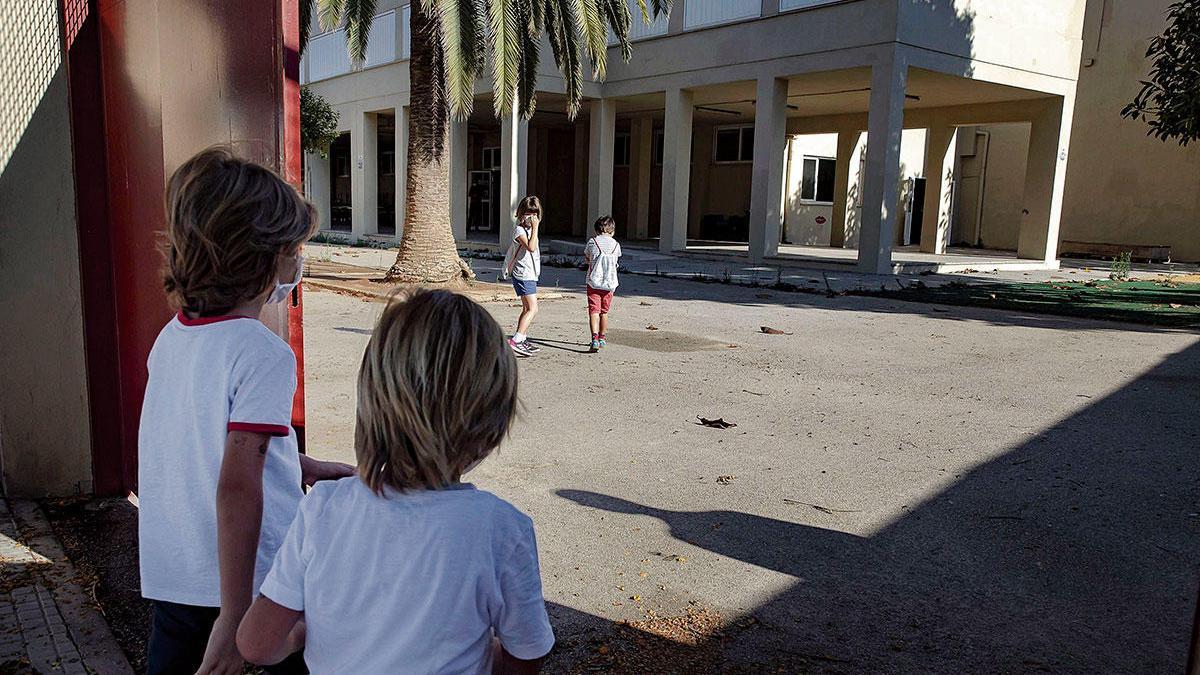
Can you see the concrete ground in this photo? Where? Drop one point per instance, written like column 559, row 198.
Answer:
column 909, row 488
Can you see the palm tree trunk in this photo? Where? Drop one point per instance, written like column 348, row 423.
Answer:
column 427, row 250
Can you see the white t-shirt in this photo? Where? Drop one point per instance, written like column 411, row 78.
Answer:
column 526, row 266
column 208, row 377
column 415, row 582
column 602, row 253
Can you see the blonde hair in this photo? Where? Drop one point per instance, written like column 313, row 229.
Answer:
column 227, row 221
column 437, row 392
column 530, row 204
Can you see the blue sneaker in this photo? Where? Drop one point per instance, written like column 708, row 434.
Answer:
column 603, row 342
column 596, row 344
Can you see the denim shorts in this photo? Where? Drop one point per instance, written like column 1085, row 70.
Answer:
column 524, row 287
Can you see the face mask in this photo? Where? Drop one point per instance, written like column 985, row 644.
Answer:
column 283, row 290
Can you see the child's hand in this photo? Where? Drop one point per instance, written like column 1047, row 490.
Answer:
column 221, row 657
column 313, row 471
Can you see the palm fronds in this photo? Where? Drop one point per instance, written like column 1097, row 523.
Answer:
column 359, row 15
column 509, row 32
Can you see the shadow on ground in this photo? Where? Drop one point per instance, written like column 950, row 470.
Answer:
column 1072, row 553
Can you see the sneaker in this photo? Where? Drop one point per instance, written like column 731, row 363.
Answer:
column 595, row 345
column 529, row 345
column 519, row 348
column 602, row 341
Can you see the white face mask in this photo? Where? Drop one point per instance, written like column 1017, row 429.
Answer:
column 283, row 290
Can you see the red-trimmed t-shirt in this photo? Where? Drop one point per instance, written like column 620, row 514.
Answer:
column 208, row 377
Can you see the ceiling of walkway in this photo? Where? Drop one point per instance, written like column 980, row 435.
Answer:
column 818, row 94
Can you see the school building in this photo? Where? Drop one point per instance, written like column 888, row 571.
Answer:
column 748, row 126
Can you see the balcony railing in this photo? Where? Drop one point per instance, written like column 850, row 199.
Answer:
column 327, row 57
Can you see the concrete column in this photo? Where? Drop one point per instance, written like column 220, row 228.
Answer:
column 770, row 165
column 677, row 168
column 371, row 173
column 316, row 186
column 514, row 169
column 939, row 187
column 458, row 179
column 579, row 196
column 364, row 180
column 602, row 136
column 1045, row 177
column 401, row 170
column 885, row 126
column 642, row 139
column 846, row 143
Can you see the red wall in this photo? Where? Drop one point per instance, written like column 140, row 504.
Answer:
column 173, row 77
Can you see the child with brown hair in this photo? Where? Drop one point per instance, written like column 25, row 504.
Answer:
column 219, row 473
column 602, row 253
column 405, row 568
column 524, row 264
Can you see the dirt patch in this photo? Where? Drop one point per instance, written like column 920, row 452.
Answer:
column 100, row 537
column 663, row 340
column 368, row 284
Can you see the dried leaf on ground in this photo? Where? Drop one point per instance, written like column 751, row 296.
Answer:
column 773, row 331
column 718, row 423
column 645, row 304
column 726, row 480
column 651, row 327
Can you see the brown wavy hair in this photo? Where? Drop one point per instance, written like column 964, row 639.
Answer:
column 228, row 220
column 530, row 204
column 437, row 392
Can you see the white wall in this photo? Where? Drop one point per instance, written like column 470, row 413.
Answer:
column 44, row 416
column 912, row 165
column 800, row 216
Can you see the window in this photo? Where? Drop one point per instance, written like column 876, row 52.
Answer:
column 387, row 163
column 491, row 158
column 734, row 144
column 621, row 151
column 342, row 166
column 657, row 147
column 817, row 183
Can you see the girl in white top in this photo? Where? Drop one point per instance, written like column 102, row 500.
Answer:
column 404, row 568
column 524, row 264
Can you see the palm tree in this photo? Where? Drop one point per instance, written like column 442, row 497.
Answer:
column 452, row 43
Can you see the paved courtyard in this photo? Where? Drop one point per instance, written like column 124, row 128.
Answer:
column 909, row 488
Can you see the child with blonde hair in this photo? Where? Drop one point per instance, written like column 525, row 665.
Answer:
column 405, row 568
column 219, row 473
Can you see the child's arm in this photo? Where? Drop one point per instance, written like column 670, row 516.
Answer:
column 312, row 471
column 239, row 517
column 534, row 223
column 270, row 632
column 528, row 243
column 504, row 663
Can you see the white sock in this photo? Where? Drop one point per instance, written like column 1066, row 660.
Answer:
column 519, row 337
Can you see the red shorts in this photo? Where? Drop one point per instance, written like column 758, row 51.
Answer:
column 598, row 301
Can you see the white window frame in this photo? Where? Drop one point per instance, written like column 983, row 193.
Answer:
column 494, row 154
column 741, row 129
column 816, row 179
column 622, row 139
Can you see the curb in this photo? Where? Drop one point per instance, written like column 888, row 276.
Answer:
column 55, row 625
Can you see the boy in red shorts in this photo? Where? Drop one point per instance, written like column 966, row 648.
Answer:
column 602, row 253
